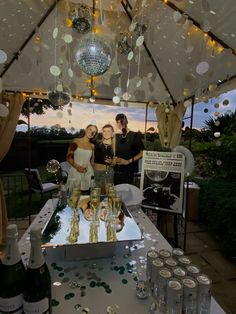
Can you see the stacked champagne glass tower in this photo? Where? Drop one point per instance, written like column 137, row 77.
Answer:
column 108, row 210
column 176, row 285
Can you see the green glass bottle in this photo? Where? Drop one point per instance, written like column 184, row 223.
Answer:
column 12, row 274
column 37, row 292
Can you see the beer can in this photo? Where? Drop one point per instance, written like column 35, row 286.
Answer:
column 157, row 264
column 174, row 296
column 184, row 261
column 179, row 272
column 151, row 255
column 177, row 252
column 193, row 270
column 189, row 295
column 164, row 275
column 204, row 294
column 164, row 254
column 171, row 262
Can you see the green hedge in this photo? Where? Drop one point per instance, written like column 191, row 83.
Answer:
column 218, row 210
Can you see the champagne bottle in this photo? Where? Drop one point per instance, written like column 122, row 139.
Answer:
column 12, row 274
column 37, row 292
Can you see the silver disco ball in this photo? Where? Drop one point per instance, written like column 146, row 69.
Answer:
column 82, row 18
column 93, row 55
column 60, row 95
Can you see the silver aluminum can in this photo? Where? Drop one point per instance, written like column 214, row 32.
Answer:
column 164, row 254
column 157, row 264
column 204, row 294
column 193, row 270
column 177, row 252
column 174, row 296
column 184, row 261
column 179, row 272
column 189, row 295
column 171, row 262
column 151, row 255
column 164, row 275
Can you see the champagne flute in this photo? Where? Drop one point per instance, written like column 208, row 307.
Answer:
column 94, row 202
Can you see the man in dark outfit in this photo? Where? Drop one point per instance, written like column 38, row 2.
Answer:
column 129, row 149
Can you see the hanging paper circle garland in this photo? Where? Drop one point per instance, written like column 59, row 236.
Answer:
column 59, row 96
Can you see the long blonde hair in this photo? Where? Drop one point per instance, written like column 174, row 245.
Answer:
column 113, row 139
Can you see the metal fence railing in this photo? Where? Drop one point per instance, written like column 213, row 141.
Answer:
column 16, row 194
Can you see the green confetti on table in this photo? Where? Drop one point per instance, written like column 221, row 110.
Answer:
column 92, row 284
column 135, row 278
column 108, row 290
column 124, row 281
column 69, row 296
column 61, row 275
column 55, row 302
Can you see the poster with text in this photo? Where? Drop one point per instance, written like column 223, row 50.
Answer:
column 162, row 180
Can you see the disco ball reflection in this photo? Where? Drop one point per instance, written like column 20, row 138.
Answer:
column 93, row 55
column 81, row 18
column 59, row 97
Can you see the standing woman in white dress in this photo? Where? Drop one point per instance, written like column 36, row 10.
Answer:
column 79, row 155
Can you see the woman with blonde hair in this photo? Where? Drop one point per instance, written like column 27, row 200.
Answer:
column 79, row 155
column 103, row 156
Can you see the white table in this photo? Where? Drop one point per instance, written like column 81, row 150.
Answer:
column 113, row 273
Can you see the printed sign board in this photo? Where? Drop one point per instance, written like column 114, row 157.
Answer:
column 162, row 180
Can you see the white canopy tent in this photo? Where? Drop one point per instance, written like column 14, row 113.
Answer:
column 176, row 61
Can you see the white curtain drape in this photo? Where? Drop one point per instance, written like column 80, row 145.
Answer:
column 7, row 131
column 169, row 123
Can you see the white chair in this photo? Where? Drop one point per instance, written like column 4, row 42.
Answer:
column 35, row 182
column 130, row 194
column 65, row 168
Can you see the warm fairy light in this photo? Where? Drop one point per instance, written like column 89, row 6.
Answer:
column 220, row 49
column 96, row 14
column 68, row 22
column 96, row 30
column 37, row 39
column 165, row 1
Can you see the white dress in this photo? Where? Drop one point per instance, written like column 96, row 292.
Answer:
column 82, row 157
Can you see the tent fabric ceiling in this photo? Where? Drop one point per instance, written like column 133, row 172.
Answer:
column 172, row 48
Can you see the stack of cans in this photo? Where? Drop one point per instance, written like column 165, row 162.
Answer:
column 177, row 285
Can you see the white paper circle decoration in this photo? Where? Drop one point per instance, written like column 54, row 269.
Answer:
column 117, row 90
column 55, row 70
column 70, row 73
column 59, row 87
column 4, row 111
column 139, row 83
column 67, row 38
column 130, row 55
column 189, row 159
column 202, row 67
column 217, row 134
column 132, row 26
column 140, row 41
column 55, row 32
column 116, row 99
column 3, row 56
column 187, row 103
column 60, row 114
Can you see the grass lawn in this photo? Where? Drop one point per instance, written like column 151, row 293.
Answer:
column 17, row 194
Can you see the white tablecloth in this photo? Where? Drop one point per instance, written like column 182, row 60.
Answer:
column 73, row 281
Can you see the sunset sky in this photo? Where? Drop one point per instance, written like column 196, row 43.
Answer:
column 83, row 114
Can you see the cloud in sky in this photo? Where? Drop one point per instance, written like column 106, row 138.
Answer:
column 86, row 113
